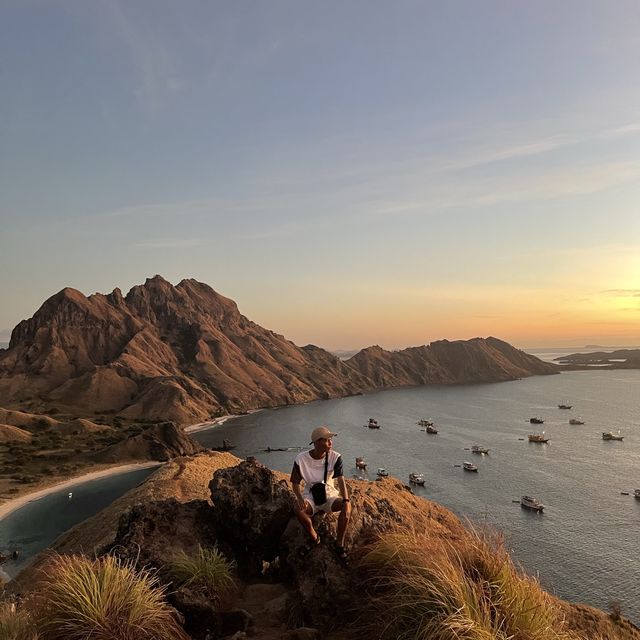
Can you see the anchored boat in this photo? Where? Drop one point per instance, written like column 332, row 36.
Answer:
column 531, row 503
column 478, row 449
column 417, row 478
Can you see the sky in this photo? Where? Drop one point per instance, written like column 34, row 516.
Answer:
column 350, row 173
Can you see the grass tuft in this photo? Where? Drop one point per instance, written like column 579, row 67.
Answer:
column 208, row 572
column 424, row 589
column 15, row 623
column 102, row 599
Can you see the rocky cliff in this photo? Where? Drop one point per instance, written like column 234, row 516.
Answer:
column 185, row 353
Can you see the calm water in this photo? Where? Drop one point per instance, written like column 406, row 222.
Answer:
column 583, row 548
column 36, row 525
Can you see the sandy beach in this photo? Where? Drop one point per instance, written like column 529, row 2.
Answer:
column 15, row 503
column 201, row 426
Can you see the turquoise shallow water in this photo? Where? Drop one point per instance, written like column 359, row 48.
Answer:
column 584, row 546
column 36, row 525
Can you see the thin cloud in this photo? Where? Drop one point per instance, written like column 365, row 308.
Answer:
column 625, row 293
column 154, row 66
column 168, row 243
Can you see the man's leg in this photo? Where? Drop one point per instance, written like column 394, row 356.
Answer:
column 304, row 516
column 343, row 519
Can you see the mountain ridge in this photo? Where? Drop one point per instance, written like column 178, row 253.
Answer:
column 185, row 353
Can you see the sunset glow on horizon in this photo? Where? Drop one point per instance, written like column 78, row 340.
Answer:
column 350, row 174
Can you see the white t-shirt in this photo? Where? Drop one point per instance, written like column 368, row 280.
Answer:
column 312, row 471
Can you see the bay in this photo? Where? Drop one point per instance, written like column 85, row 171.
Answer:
column 33, row 527
column 583, row 548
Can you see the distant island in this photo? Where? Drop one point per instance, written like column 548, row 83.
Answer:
column 619, row 359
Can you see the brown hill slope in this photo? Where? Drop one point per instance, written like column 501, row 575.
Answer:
column 186, row 353
column 162, row 441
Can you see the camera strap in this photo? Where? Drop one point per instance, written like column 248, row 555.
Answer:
column 326, row 466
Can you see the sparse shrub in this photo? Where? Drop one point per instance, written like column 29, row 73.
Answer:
column 420, row 588
column 15, row 623
column 208, row 571
column 102, row 599
column 615, row 611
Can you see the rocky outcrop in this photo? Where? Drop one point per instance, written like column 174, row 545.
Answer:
column 186, row 353
column 282, row 581
column 161, row 442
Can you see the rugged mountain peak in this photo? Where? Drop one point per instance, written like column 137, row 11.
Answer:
column 185, row 353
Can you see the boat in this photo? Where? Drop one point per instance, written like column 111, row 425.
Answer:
column 417, row 478
column 564, row 405
column 425, row 423
column 538, row 437
column 536, row 420
column 70, row 495
column 609, row 435
column 636, row 493
column 372, row 424
column 382, row 473
column 469, row 466
column 361, row 463
column 576, row 421
column 531, row 503
column 430, row 429
column 227, row 446
column 476, row 448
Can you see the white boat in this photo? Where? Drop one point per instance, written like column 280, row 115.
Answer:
column 469, row 466
column 70, row 495
column 361, row 463
column 531, row 503
column 476, row 448
column 417, row 478
column 382, row 473
column 609, row 435
column 636, row 493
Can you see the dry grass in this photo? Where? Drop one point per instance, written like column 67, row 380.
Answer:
column 102, row 599
column 424, row 589
column 208, row 572
column 16, row 624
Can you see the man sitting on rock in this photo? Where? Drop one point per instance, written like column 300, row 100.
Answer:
column 318, row 468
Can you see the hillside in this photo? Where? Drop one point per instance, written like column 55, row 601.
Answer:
column 286, row 589
column 185, row 353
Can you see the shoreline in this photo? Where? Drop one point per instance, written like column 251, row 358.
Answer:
column 210, row 424
column 13, row 504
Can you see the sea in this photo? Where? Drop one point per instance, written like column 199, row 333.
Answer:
column 583, row 548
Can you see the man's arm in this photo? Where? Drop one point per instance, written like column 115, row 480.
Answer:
column 298, row 493
column 342, row 487
column 296, row 479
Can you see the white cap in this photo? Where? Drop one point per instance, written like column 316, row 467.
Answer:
column 321, row 432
